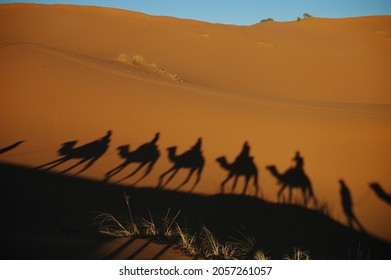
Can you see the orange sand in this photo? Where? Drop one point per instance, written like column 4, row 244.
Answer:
column 321, row 86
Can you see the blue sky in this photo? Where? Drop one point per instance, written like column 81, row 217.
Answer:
column 242, row 12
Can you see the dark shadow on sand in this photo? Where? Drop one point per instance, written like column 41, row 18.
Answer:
column 121, row 248
column 347, row 205
column 88, row 153
column 146, row 155
column 294, row 177
column 10, row 147
column 242, row 166
column 191, row 159
column 140, row 250
column 39, row 207
column 385, row 197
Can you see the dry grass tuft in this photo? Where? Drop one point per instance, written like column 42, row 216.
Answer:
column 298, row 255
column 210, row 247
column 111, row 226
column 186, row 241
column 166, row 229
column 260, row 256
column 139, row 61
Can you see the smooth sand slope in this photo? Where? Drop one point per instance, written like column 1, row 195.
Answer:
column 320, row 86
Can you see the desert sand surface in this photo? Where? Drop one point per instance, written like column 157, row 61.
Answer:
column 318, row 86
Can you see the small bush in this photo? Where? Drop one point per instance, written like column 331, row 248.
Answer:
column 139, row 61
column 137, row 58
column 267, row 19
column 306, row 15
column 124, row 58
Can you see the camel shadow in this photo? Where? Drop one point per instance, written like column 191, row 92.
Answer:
column 191, row 159
column 294, row 177
column 10, row 147
column 242, row 166
column 347, row 205
column 146, row 155
column 88, row 153
column 381, row 193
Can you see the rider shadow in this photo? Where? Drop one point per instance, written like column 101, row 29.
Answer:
column 146, row 155
column 10, row 147
column 191, row 159
column 347, row 205
column 88, row 153
column 294, row 177
column 381, row 193
column 242, row 166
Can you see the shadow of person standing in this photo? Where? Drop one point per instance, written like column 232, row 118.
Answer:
column 347, row 205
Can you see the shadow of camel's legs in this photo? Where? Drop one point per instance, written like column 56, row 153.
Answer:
column 199, row 172
column 172, row 176
column 116, row 170
column 73, row 166
column 230, row 175
column 149, row 169
column 134, row 172
column 235, row 182
column 247, row 179
column 256, row 185
column 290, row 194
column 159, row 185
column 88, row 165
column 169, row 179
column 56, row 162
column 305, row 197
column 280, row 192
column 187, row 179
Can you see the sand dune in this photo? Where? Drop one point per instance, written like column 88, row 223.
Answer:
column 320, row 86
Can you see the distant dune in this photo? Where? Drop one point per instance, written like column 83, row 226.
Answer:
column 318, row 86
